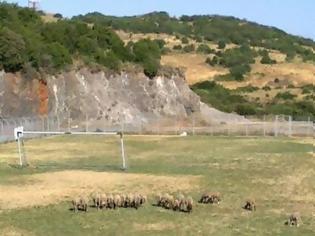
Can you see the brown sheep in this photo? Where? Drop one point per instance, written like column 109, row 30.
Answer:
column 294, row 219
column 159, row 198
column 130, row 200
column 110, row 201
column 176, row 205
column 211, row 197
column 143, row 199
column 117, row 201
column 103, row 201
column 250, row 205
column 80, row 204
column 189, row 203
column 136, row 201
column 97, row 200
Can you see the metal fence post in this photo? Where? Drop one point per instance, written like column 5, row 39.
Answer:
column 276, row 126
column 290, row 126
column 193, row 124
column 264, row 125
column 86, row 123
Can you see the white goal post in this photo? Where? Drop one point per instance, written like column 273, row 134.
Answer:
column 19, row 133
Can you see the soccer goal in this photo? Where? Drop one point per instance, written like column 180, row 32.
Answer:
column 20, row 134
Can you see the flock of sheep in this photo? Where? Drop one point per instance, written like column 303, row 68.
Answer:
column 167, row 201
column 110, row 201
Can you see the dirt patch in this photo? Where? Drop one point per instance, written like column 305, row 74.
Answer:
column 12, row 231
column 154, row 227
column 50, row 188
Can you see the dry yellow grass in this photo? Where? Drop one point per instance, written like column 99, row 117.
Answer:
column 295, row 73
column 50, row 188
column 194, row 65
column 48, row 18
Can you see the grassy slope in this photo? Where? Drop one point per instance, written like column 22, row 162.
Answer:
column 277, row 173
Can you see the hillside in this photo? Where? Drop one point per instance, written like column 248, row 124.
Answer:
column 270, row 70
column 257, row 63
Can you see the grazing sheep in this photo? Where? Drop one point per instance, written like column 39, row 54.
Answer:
column 190, row 204
column 204, row 198
column 250, row 205
column 80, row 204
column 211, row 197
column 130, row 200
column 136, row 201
column 117, row 201
column 143, row 199
column 97, row 200
column 103, row 201
column 110, row 201
column 294, row 219
column 123, row 200
column 176, row 205
column 169, row 202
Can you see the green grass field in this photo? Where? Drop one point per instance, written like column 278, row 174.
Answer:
column 278, row 173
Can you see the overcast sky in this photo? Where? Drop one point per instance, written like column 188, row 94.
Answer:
column 294, row 16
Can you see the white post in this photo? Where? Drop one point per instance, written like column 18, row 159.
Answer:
column 20, row 152
column 123, row 151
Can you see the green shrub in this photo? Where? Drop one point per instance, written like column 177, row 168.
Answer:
column 285, row 96
column 212, row 62
column 185, row 40
column 266, row 58
column 221, row 44
column 189, row 48
column 12, row 50
column 205, row 49
column 178, row 47
column 247, row 89
column 58, row 15
column 239, row 71
column 266, row 88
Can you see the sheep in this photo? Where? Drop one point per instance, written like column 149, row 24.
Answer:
column 103, row 201
column 80, row 204
column 176, row 205
column 123, row 200
column 250, row 205
column 169, row 202
column 130, row 200
column 204, row 198
column 189, row 203
column 116, row 201
column 110, row 201
column 294, row 219
column 143, row 199
column 159, row 198
column 136, row 201
column 97, row 200
column 211, row 197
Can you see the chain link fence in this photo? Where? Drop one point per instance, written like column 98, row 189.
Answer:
column 276, row 126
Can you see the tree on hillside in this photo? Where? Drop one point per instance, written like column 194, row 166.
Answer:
column 147, row 53
column 221, row 44
column 12, row 49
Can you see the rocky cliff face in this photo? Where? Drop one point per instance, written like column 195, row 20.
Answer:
column 129, row 98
